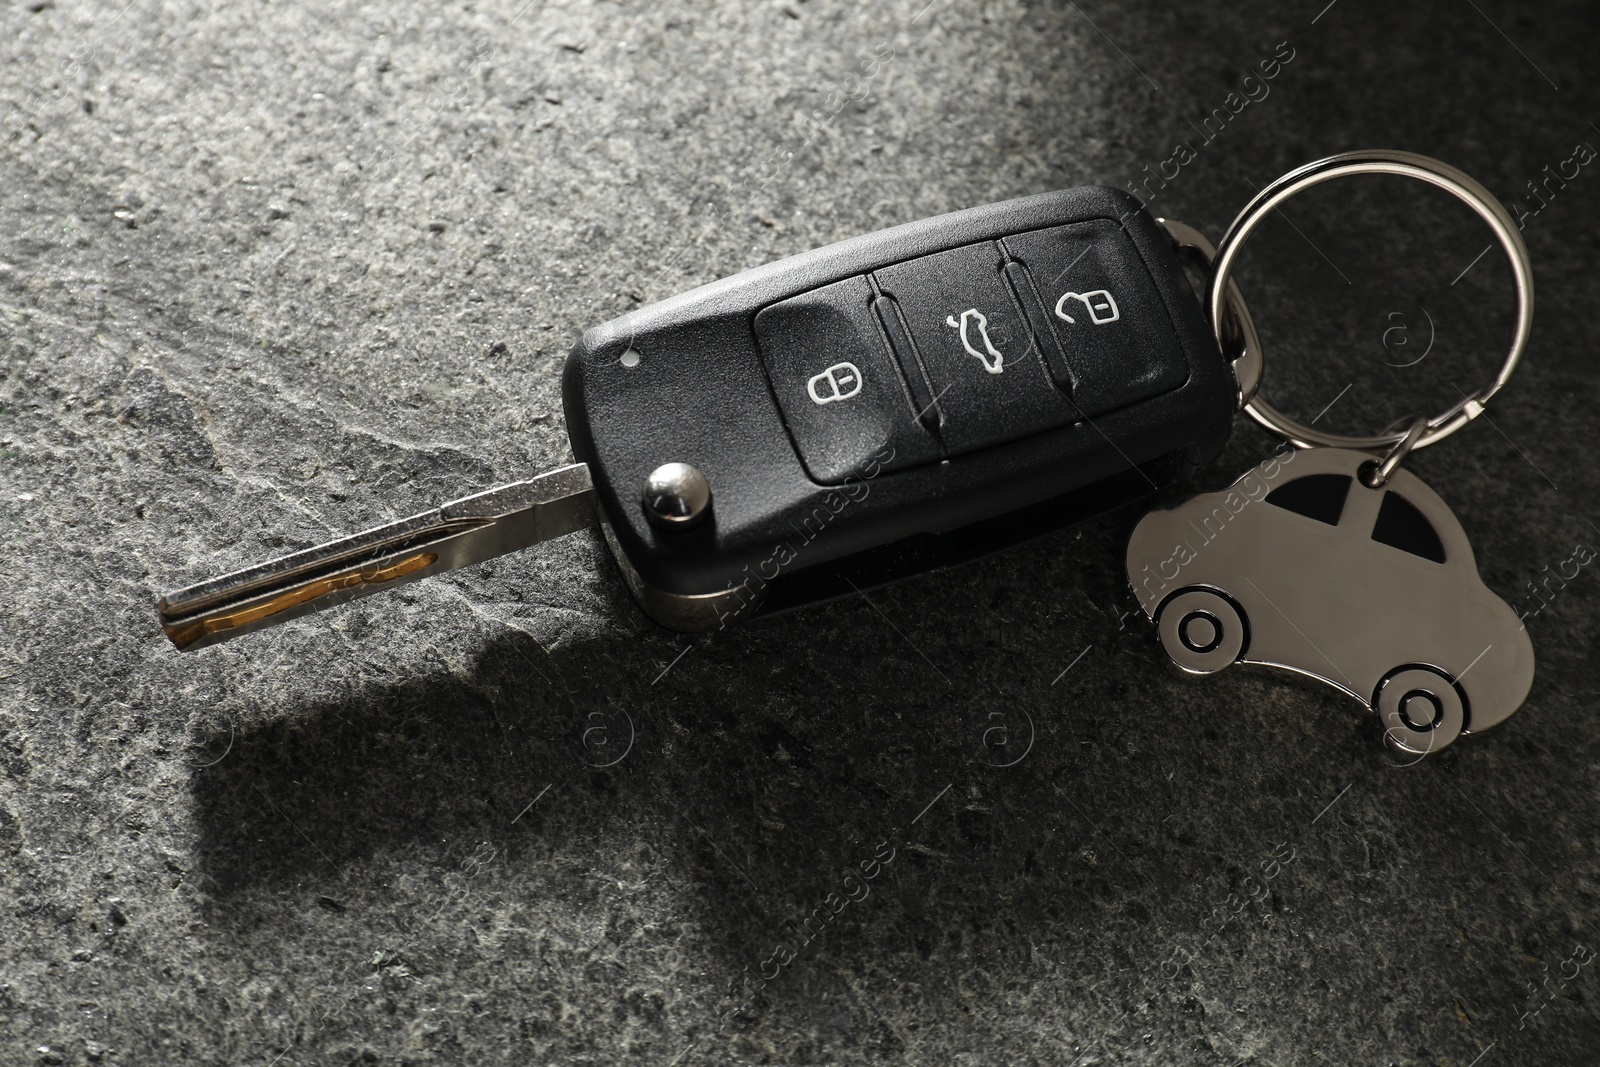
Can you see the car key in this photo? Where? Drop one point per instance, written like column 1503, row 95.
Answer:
column 888, row 405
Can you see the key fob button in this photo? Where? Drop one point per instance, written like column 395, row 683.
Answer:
column 838, row 386
column 1108, row 340
column 976, row 346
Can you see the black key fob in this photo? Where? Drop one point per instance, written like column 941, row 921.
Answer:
column 895, row 403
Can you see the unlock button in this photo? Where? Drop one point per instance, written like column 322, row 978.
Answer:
column 1108, row 337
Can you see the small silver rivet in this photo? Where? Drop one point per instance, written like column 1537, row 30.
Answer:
column 676, row 496
column 630, row 358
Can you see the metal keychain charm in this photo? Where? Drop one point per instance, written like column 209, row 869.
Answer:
column 1333, row 561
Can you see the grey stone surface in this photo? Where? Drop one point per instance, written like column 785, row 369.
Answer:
column 271, row 272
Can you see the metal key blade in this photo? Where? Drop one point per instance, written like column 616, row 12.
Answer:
column 459, row 534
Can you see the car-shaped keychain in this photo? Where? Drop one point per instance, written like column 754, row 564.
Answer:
column 1302, row 565
column 1329, row 560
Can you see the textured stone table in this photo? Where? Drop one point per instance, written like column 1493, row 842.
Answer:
column 272, row 272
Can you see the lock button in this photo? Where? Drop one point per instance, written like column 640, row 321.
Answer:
column 839, row 388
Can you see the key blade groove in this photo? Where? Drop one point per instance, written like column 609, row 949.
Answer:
column 186, row 635
column 458, row 534
column 312, row 563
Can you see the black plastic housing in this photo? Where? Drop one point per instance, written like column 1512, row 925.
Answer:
column 698, row 393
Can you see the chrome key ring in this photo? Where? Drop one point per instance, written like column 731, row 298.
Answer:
column 1406, row 165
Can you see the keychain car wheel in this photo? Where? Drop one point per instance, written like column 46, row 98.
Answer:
column 1202, row 630
column 1420, row 708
